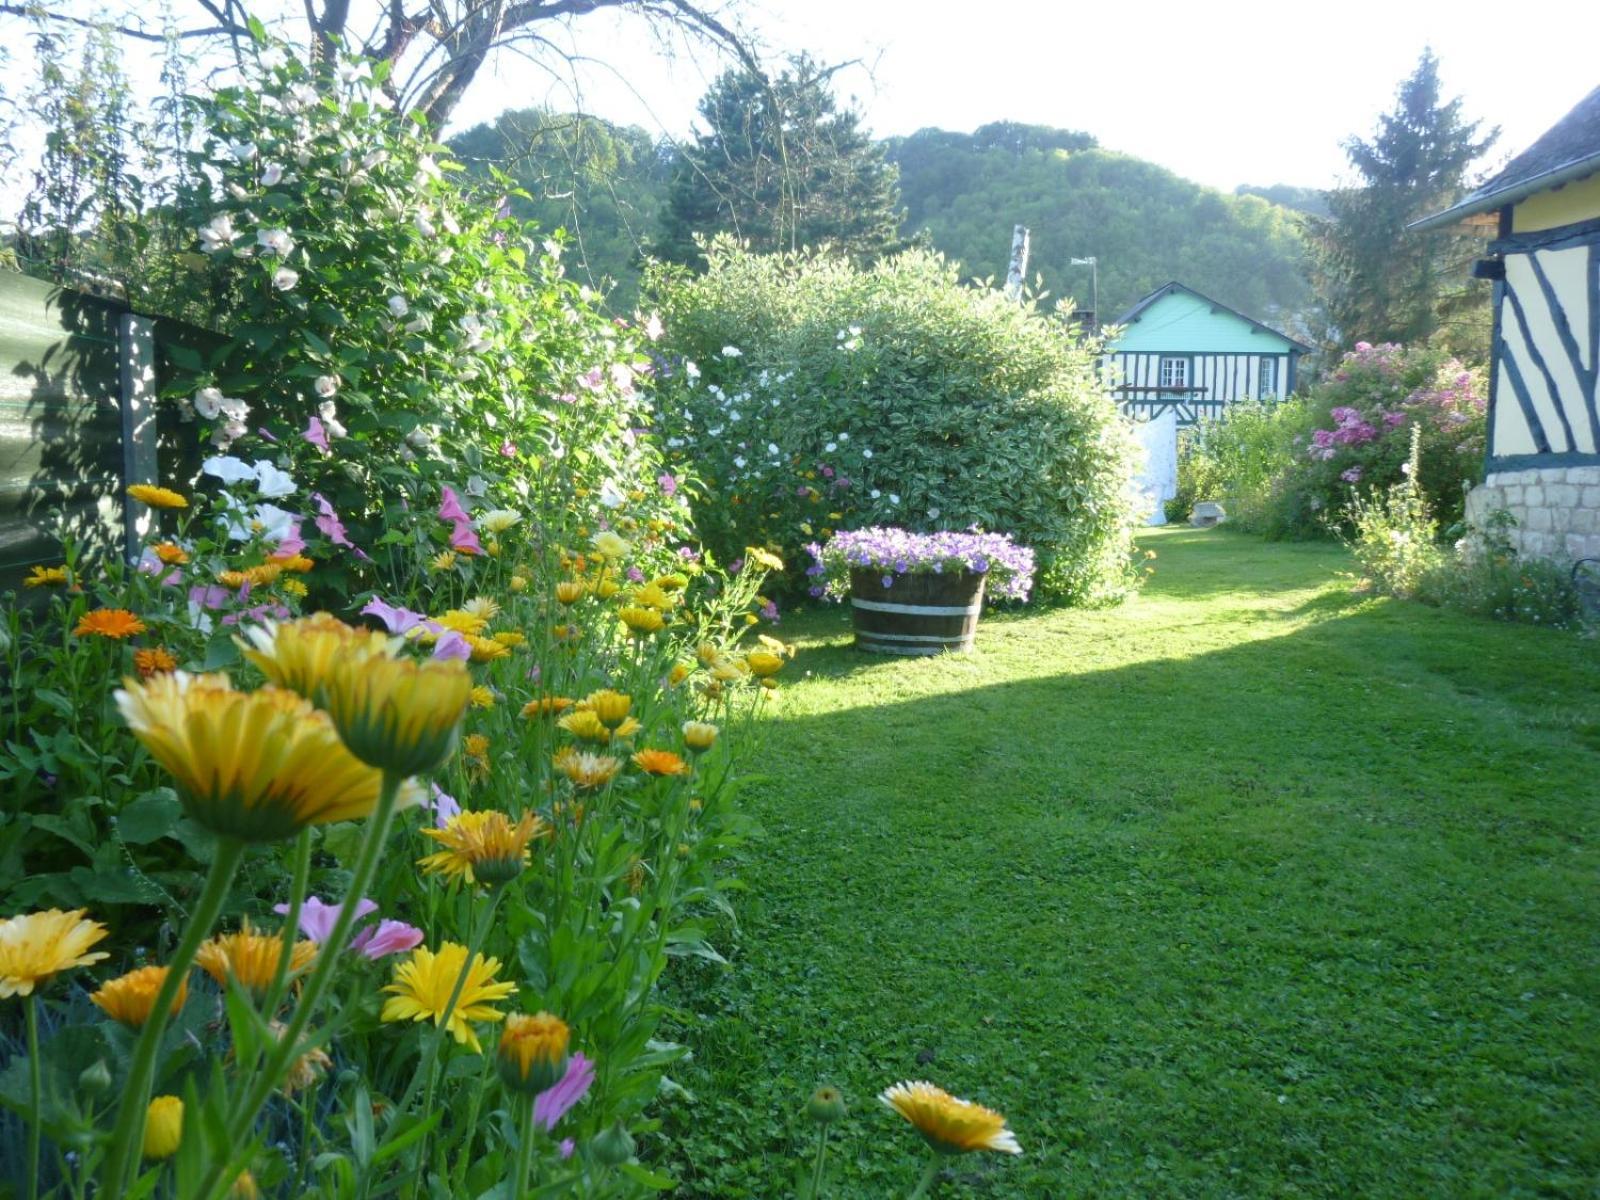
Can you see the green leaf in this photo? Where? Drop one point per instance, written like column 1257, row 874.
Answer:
column 649, row 1179
column 151, row 817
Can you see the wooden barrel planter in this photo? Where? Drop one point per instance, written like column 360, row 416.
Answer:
column 924, row 613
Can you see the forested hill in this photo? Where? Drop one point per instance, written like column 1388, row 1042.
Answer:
column 1143, row 223
column 607, row 186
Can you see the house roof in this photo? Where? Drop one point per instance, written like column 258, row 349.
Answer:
column 1167, row 289
column 1568, row 150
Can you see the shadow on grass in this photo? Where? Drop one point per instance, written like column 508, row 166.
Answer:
column 1295, row 916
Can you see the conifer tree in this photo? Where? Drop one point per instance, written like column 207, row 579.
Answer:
column 1381, row 281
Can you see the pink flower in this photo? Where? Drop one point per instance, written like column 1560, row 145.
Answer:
column 317, row 917
column 317, row 435
column 668, row 484
column 555, row 1102
column 592, row 380
column 635, row 575
column 390, row 937
column 452, row 645
column 567, row 398
column 445, row 806
column 212, row 596
column 462, row 538
column 1352, row 475
column 450, row 507
column 330, row 525
column 508, row 449
column 291, row 543
column 1363, row 347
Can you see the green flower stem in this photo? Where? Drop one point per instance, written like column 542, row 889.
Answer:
column 458, row 1181
column 128, row 1136
column 926, row 1180
column 217, row 1180
column 430, row 1068
column 291, row 923
column 30, row 1006
column 524, row 1165
column 822, row 1158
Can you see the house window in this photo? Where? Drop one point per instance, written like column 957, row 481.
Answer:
column 1174, row 372
column 1269, row 379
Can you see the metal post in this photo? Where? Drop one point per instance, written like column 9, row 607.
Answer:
column 1019, row 262
column 136, row 356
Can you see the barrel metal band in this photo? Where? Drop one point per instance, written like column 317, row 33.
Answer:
column 918, row 610
column 944, row 638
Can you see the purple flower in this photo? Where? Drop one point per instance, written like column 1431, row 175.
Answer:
column 452, row 645
column 567, row 1148
column 317, row 435
column 769, row 610
column 553, row 1103
column 445, row 806
column 390, row 937
column 317, row 917
column 1352, row 475
column 395, row 620
column 668, row 484
column 888, row 581
column 328, row 521
column 635, row 575
column 450, row 507
column 1010, row 567
column 508, row 449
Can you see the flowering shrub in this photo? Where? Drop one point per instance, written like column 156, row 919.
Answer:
column 1235, row 458
column 1358, row 423
column 815, row 396
column 896, row 552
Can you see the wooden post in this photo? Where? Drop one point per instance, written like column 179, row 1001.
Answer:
column 1019, row 262
column 136, row 354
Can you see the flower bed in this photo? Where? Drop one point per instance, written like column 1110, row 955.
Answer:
column 893, row 553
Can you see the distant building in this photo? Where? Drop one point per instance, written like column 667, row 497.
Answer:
column 1544, row 428
column 1184, row 351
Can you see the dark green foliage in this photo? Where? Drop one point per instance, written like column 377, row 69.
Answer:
column 781, row 166
column 1145, row 225
column 603, row 184
column 1380, row 281
column 1249, row 888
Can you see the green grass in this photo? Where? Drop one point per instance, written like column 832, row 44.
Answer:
column 1250, row 887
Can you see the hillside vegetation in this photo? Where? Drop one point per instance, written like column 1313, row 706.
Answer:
column 606, row 186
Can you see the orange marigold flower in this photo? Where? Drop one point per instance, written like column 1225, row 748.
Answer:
column 131, row 998
column 170, row 553
column 110, row 623
column 154, row 661
column 298, row 563
column 659, row 762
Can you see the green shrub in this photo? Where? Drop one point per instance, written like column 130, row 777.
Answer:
column 1354, row 431
column 815, row 396
column 1395, row 543
column 1235, row 460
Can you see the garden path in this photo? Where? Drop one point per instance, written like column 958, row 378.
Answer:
column 1249, row 887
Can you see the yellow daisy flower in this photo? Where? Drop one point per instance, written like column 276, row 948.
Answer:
column 763, row 663
column 423, row 984
column 486, row 649
column 543, row 706
column 35, row 947
column 398, row 713
column 610, row 706
column 481, row 696
column 482, row 847
column 569, row 591
column 609, row 545
column 443, row 561
column 482, row 606
column 949, row 1125
column 46, row 577
column 257, row 766
column 462, row 620
column 156, row 497
column 163, row 1124
column 642, row 621
column 585, row 725
column 588, row 772
column 300, row 655
column 699, row 735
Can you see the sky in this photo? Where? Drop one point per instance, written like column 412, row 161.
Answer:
column 1227, row 93
column 1233, row 92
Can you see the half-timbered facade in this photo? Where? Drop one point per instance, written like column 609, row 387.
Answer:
column 1544, row 407
column 1179, row 349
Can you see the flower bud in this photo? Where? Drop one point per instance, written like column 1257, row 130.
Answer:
column 612, row 1147
column 95, row 1080
column 533, row 1052
column 826, row 1105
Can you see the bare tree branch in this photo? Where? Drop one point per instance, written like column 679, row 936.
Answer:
column 33, row 10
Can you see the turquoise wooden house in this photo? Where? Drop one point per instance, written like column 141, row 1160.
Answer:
column 1179, row 349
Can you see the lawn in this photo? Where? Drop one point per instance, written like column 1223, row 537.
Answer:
column 1251, row 887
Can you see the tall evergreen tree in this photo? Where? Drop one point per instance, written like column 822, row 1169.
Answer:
column 780, row 165
column 1379, row 280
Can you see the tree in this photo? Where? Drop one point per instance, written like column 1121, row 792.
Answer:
column 444, row 43
column 781, row 166
column 603, row 184
column 1381, row 281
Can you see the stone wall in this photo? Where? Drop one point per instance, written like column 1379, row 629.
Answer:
column 1557, row 509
